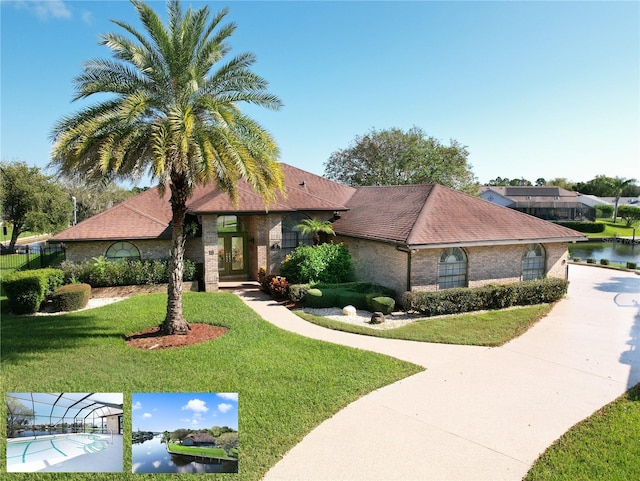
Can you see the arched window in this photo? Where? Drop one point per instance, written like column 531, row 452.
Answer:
column 291, row 236
column 122, row 250
column 534, row 262
column 452, row 268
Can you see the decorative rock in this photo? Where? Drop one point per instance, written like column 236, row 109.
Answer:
column 377, row 318
column 349, row 311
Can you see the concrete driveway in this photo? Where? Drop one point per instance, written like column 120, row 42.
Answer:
column 476, row 413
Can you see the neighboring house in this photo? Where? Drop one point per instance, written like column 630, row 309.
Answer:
column 196, row 439
column 545, row 202
column 416, row 237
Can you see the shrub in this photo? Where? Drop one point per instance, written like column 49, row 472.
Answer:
column 27, row 289
column 351, row 298
column 298, row 292
column 632, row 265
column 71, row 297
column 587, row 227
column 454, row 301
column 103, row 273
column 321, row 263
column 604, row 262
column 383, row 304
column 577, row 259
column 278, row 287
column 591, row 260
column 321, row 299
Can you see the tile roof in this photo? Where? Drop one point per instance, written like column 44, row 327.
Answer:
column 421, row 215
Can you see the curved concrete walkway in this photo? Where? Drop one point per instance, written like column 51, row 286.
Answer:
column 476, row 413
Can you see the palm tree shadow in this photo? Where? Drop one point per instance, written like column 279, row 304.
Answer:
column 627, row 296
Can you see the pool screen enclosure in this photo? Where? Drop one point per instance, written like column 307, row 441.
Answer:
column 38, row 414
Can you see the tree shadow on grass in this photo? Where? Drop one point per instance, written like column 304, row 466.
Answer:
column 24, row 337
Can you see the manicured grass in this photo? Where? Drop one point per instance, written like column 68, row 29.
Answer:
column 198, row 451
column 492, row 328
column 287, row 383
column 617, row 229
column 603, row 447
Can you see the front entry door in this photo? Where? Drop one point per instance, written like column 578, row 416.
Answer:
column 232, row 254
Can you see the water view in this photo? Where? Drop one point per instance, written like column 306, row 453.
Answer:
column 152, row 457
column 615, row 252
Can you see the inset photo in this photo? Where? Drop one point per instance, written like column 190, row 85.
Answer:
column 64, row 432
column 184, row 432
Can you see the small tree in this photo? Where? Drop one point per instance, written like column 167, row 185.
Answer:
column 17, row 415
column 604, row 211
column 315, row 227
column 629, row 213
column 32, row 201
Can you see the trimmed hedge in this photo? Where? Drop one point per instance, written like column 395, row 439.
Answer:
column 383, row 304
column 459, row 300
column 71, row 297
column 361, row 295
column 27, row 289
column 586, row 227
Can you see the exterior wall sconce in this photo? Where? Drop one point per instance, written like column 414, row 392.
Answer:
column 275, row 246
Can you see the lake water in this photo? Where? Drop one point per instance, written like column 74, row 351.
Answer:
column 152, row 457
column 615, row 252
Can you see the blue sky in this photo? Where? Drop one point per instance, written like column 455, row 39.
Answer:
column 533, row 89
column 161, row 412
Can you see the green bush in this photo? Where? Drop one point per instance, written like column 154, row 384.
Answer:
column 604, row 262
column 632, row 265
column 459, row 300
column 321, row 263
column 351, row 298
column 591, row 260
column 104, row 273
column 298, row 292
column 27, row 289
column 383, row 304
column 71, row 297
column 586, row 227
column 321, row 299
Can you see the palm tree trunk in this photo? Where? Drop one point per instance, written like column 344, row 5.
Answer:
column 174, row 322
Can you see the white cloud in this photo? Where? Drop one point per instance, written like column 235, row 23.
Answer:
column 196, row 405
column 45, row 9
column 146, row 415
column 231, row 396
column 87, row 17
column 136, row 405
column 223, row 408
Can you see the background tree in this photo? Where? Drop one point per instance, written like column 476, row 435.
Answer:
column 18, row 415
column 561, row 182
column 315, row 227
column 629, row 214
column 617, row 186
column 227, row 441
column 91, row 199
column 180, row 434
column 32, row 201
column 172, row 109
column 396, row 157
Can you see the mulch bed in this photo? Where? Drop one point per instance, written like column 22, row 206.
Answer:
column 152, row 339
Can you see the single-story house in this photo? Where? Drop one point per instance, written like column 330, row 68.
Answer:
column 545, row 202
column 196, row 439
column 412, row 237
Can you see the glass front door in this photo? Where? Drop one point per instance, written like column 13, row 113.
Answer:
column 232, row 254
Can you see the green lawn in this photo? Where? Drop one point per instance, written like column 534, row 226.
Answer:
column 287, row 384
column 617, row 229
column 492, row 328
column 198, row 451
column 604, row 447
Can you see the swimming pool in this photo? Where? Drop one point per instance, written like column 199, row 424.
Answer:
column 65, row 453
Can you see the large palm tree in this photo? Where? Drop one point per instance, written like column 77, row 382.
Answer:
column 173, row 112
